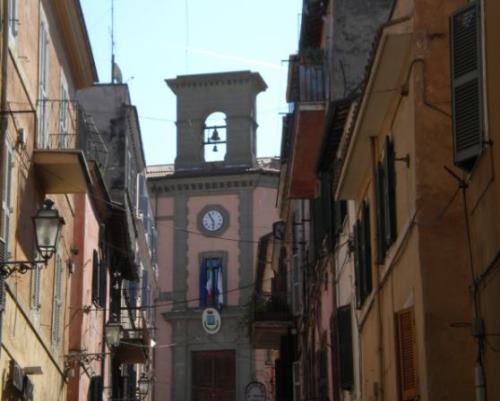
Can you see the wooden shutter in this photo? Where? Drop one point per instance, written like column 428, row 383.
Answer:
column 6, row 197
column 379, row 209
column 406, row 350
column 57, row 302
column 344, row 327
column 103, row 282
column 366, row 256
column 95, row 277
column 96, row 389
column 297, row 380
column 466, row 84
column 389, row 193
column 357, row 265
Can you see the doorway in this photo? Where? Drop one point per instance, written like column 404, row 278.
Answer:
column 213, row 375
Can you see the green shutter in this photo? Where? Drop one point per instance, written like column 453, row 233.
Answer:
column 466, row 84
column 389, row 190
column 344, row 327
column 366, row 270
column 95, row 278
column 380, row 210
column 357, row 265
column 103, row 282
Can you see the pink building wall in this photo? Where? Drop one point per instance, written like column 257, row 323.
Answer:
column 86, row 321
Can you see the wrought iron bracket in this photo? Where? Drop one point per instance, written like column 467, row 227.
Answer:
column 19, row 266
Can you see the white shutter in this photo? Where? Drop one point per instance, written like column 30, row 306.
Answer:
column 297, row 380
column 12, row 18
column 62, row 134
column 42, row 89
column 6, row 196
column 56, row 305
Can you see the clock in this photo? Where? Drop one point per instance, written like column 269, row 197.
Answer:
column 213, row 219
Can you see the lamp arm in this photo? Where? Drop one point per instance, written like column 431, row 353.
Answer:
column 21, row 266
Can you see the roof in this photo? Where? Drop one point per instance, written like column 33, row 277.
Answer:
column 264, row 165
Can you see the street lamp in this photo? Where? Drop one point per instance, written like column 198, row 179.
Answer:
column 143, row 385
column 112, row 332
column 48, row 224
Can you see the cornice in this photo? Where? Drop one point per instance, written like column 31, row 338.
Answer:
column 76, row 41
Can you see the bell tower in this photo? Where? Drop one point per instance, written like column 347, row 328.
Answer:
column 198, row 97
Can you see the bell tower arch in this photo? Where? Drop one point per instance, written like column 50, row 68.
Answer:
column 199, row 96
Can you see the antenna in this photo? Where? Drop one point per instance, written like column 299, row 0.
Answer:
column 112, row 41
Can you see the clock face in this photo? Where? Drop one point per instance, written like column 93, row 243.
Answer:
column 212, row 220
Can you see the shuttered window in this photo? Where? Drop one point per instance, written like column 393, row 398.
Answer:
column 99, row 280
column 344, row 327
column 96, row 389
column 466, row 84
column 362, row 256
column 12, row 19
column 406, row 350
column 389, row 193
column 297, row 380
column 385, row 197
column 57, row 302
column 41, row 140
column 6, row 197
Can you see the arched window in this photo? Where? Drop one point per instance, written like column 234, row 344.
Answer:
column 215, row 137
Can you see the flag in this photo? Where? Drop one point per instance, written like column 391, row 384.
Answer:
column 211, row 283
column 219, row 301
column 203, row 283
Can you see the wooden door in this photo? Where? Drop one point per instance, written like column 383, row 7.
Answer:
column 213, row 376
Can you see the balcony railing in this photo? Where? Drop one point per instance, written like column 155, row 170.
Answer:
column 61, row 141
column 63, row 125
column 136, row 339
column 270, row 318
column 307, row 77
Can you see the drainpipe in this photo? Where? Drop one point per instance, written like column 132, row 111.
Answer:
column 5, row 61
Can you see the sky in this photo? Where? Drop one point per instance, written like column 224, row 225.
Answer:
column 161, row 39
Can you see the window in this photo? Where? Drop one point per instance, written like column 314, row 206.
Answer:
column 99, row 282
column 42, row 86
column 406, row 352
column 466, row 85
column 62, row 134
column 296, row 267
column 215, row 137
column 6, row 198
column 95, row 389
column 362, row 256
column 211, row 283
column 57, row 301
column 385, row 197
column 297, row 380
column 12, row 19
column 344, row 349
column 35, row 284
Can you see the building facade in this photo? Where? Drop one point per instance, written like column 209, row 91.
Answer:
column 389, row 227
column 210, row 215
column 45, row 59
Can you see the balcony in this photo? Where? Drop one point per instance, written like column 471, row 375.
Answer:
column 270, row 319
column 66, row 140
column 135, row 343
column 307, row 77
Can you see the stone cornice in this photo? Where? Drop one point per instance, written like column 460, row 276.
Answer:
column 217, row 79
column 210, row 184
